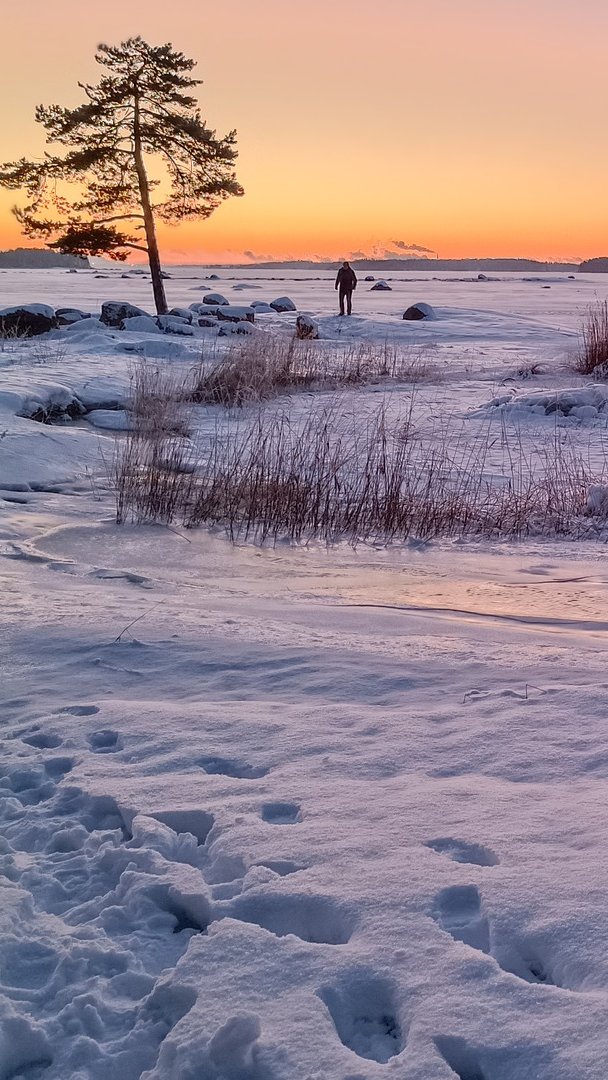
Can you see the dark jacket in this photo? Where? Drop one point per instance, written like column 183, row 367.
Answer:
column 346, row 280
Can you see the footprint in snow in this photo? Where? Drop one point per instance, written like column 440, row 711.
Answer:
column 281, row 813
column 462, row 851
column 362, row 1007
column 105, row 742
column 43, row 741
column 458, row 912
column 239, row 770
column 462, row 1058
column 81, row 710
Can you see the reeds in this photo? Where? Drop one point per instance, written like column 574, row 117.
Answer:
column 264, row 367
column 331, row 475
column 594, row 339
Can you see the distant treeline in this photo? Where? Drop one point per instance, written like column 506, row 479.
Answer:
column 426, row 265
column 40, row 259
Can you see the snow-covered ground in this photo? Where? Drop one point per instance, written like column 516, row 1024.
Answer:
column 301, row 813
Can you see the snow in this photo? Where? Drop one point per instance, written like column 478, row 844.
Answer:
column 301, row 811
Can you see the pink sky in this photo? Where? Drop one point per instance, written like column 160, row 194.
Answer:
column 463, row 126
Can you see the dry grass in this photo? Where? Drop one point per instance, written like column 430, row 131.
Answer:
column 332, row 475
column 265, row 367
column 152, row 468
column 594, row 339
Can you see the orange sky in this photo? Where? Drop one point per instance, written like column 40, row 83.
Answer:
column 469, row 127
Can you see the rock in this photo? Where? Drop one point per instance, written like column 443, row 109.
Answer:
column 67, row 316
column 236, row 328
column 283, row 303
column 183, row 313
column 600, row 371
column 235, row 314
column 114, row 311
column 306, row 327
column 381, row 286
column 26, row 320
column 215, row 298
column 419, row 311
column 89, row 326
column 140, row 324
column 72, row 271
column 165, row 275
column 173, row 324
column 482, row 277
column 261, row 307
column 370, row 277
column 207, row 321
column 110, row 419
column 213, row 277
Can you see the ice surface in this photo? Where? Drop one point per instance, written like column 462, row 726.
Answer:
column 306, row 811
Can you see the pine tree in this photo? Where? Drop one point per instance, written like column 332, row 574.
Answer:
column 140, row 115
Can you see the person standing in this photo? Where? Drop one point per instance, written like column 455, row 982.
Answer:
column 346, row 282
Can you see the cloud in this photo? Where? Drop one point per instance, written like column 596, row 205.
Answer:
column 412, row 249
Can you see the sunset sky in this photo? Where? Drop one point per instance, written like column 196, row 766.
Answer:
column 468, row 127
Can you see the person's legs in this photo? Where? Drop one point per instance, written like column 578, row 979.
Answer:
column 349, row 302
column 342, row 295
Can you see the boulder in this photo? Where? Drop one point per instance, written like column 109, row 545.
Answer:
column 174, row 324
column 261, row 307
column 381, row 286
column 482, row 277
column 235, row 314
column 236, row 328
column 215, row 298
column 26, row 320
column 207, row 321
column 213, row 277
column 283, row 303
column 419, row 311
column 67, row 316
column 370, row 277
column 114, row 311
column 183, row 313
column 88, row 326
column 306, row 327
column 140, row 324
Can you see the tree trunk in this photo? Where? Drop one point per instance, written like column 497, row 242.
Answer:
column 158, row 286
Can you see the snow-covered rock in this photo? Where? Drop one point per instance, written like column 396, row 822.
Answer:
column 261, row 307
column 240, row 327
column 174, row 324
column 419, row 311
column 369, row 277
column 140, row 324
column 235, row 314
column 87, row 326
column 207, row 321
column 113, row 312
column 215, row 298
column 110, row 419
column 381, row 286
column 183, row 313
column 67, row 316
column 27, row 320
column 306, row 327
column 283, row 303
column 580, row 402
